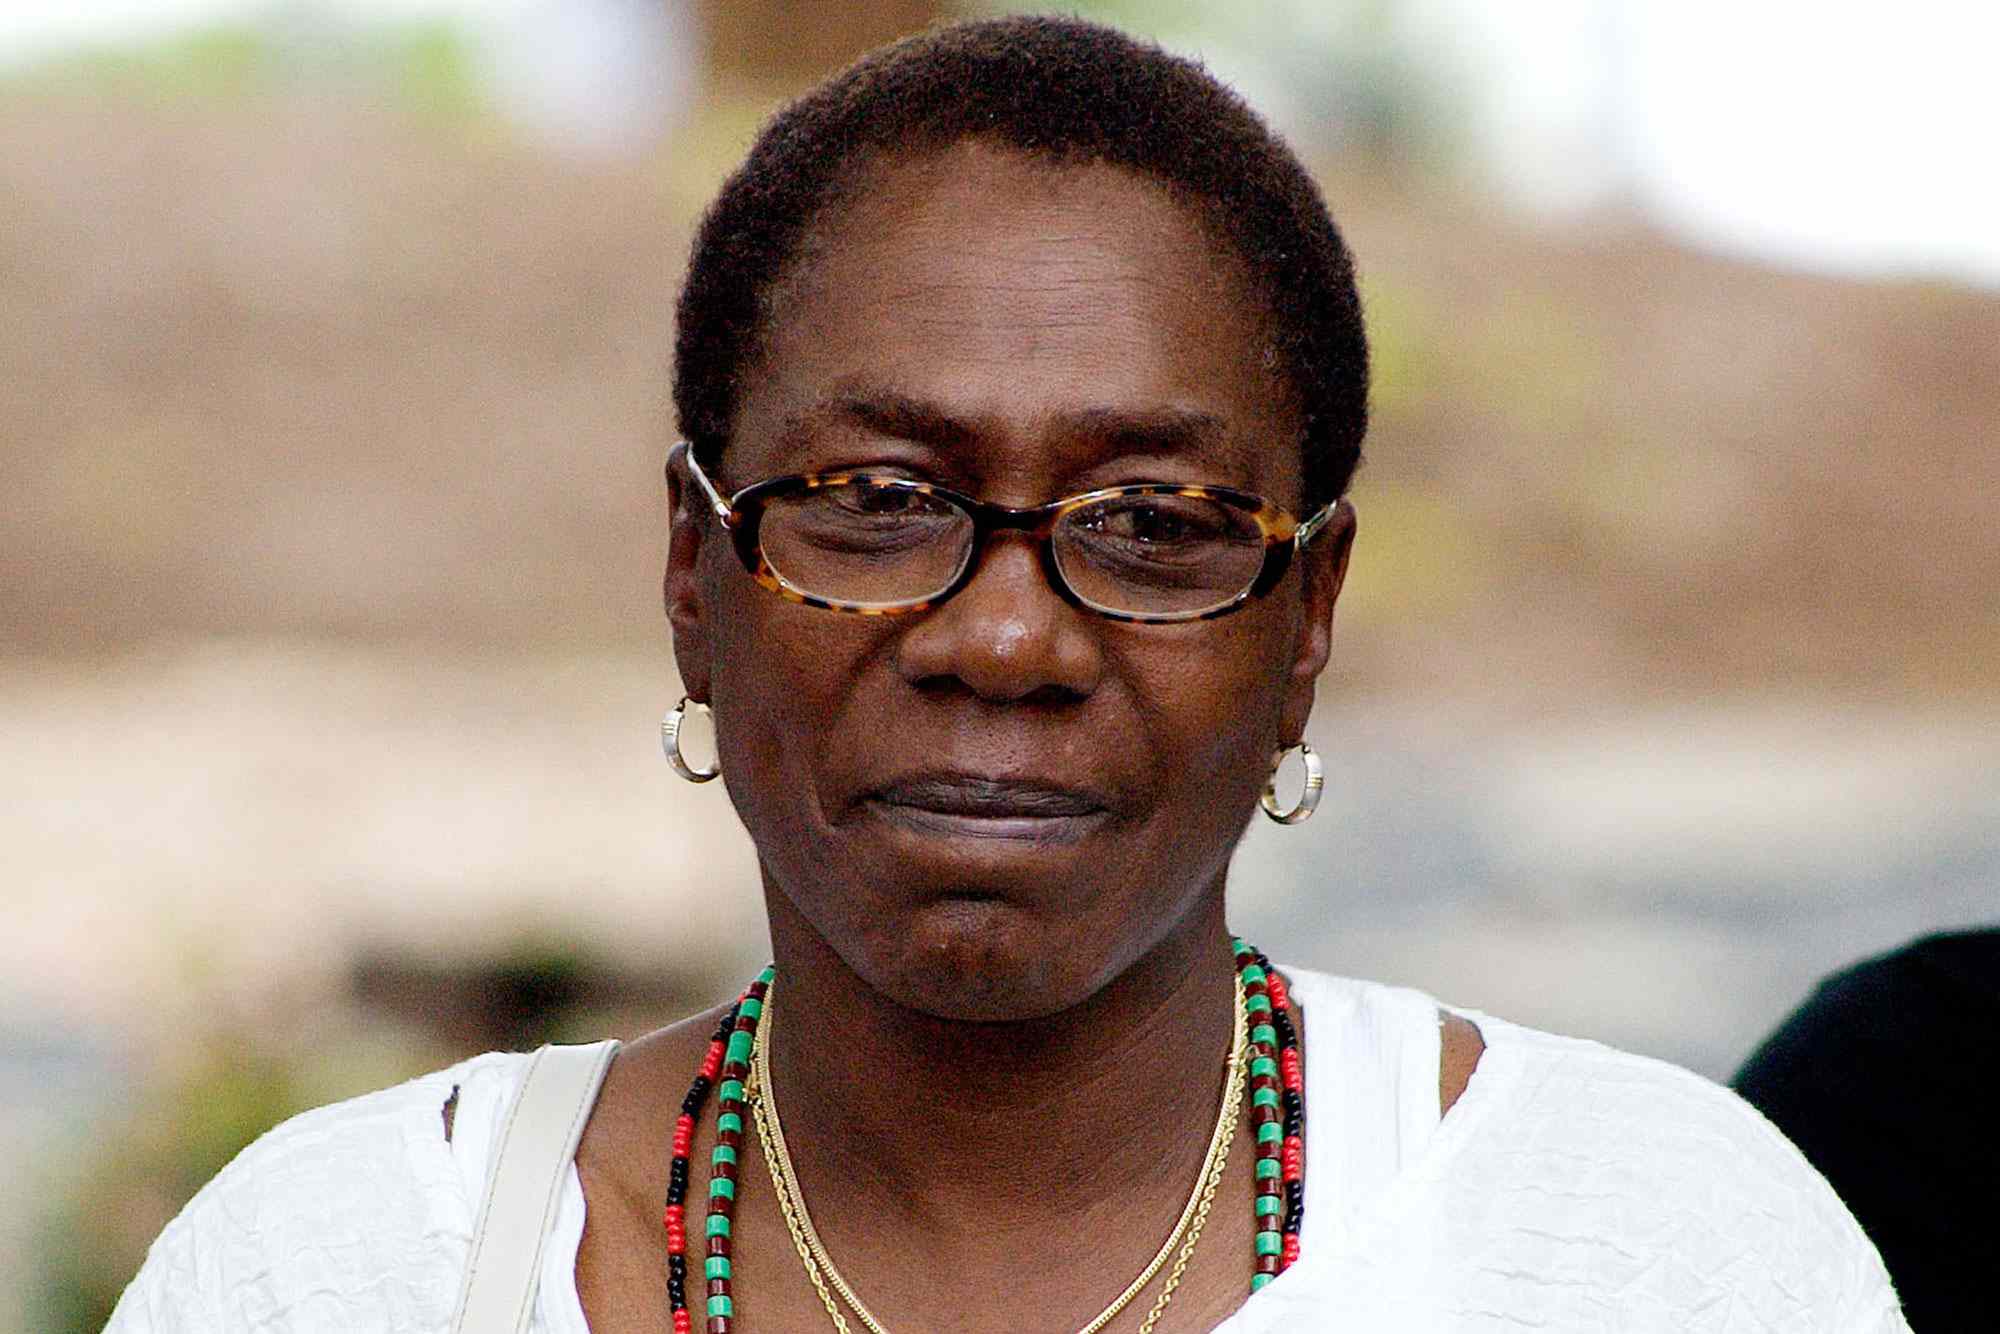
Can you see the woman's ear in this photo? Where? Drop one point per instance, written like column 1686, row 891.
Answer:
column 1323, row 569
column 680, row 586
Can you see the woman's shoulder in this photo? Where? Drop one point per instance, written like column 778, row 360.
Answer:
column 352, row 1216
column 1585, row 1091
column 1636, row 1182
column 1642, row 1163
column 1648, row 1108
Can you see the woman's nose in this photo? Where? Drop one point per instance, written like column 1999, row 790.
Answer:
column 1007, row 636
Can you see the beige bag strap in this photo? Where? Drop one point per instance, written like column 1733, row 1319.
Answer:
column 536, row 1144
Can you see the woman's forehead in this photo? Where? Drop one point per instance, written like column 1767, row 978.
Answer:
column 1004, row 295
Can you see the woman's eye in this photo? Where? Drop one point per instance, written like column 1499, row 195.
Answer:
column 890, row 500
column 879, row 501
column 1148, row 524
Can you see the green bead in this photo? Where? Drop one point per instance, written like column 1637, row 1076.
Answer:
column 1262, row 1065
column 731, row 1121
column 1250, row 972
column 718, row 1225
column 723, row 1154
column 1259, row 1280
column 721, row 1306
column 1267, row 1206
column 1265, row 1034
column 722, row 1186
column 1263, row 1097
column 715, row 1266
column 731, row 1091
column 1268, row 1167
column 1270, row 1133
column 1257, row 1004
column 1269, row 1243
column 739, row 1047
column 769, row 975
column 751, row 1008
column 1236, row 945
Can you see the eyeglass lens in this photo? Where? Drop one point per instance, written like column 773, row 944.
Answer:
column 1157, row 555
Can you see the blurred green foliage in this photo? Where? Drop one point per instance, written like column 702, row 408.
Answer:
column 139, row 1168
column 424, row 67
column 222, row 60
column 183, row 1123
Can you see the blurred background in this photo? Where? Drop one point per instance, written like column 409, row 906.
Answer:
column 333, row 394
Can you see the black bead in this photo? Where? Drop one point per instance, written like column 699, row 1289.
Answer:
column 697, row 1094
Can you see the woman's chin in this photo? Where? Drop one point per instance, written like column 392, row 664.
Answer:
column 977, row 959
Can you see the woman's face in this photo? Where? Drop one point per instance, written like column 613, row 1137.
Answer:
column 990, row 809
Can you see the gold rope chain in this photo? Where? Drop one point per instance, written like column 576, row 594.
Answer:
column 820, row 1267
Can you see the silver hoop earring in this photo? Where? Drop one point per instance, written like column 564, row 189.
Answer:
column 670, row 742
column 1308, row 795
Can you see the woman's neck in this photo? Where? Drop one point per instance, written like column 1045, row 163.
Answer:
column 960, row 1127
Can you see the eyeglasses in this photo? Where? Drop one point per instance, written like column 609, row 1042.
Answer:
column 882, row 545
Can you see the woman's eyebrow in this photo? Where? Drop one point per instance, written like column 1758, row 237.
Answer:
column 903, row 416
column 1167, row 430
column 884, row 412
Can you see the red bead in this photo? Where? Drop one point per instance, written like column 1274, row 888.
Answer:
column 1289, row 1067
column 683, row 1136
column 1294, row 1158
column 711, row 1064
column 1291, row 1248
column 1280, row 994
column 683, row 1322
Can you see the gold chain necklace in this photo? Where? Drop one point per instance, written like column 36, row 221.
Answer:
column 819, row 1264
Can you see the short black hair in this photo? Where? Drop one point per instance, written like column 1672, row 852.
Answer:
column 1057, row 88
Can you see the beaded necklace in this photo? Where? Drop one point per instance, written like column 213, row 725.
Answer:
column 1275, row 1088
column 819, row 1265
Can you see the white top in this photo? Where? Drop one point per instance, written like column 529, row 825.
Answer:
column 1572, row 1188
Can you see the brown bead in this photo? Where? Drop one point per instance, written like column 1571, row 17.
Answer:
column 718, row 1246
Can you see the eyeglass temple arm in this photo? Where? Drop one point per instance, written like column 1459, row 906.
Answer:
column 723, row 509
column 1305, row 533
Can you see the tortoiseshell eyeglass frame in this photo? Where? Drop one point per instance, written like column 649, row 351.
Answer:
column 1284, row 535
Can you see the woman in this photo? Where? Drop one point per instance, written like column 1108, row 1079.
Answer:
column 1023, row 372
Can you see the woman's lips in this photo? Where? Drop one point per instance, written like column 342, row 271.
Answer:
column 969, row 806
